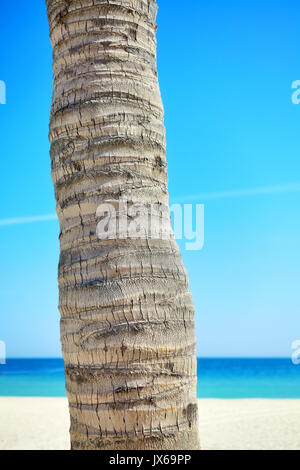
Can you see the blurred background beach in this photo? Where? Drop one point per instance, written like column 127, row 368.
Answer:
column 244, row 404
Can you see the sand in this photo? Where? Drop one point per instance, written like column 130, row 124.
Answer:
column 43, row 423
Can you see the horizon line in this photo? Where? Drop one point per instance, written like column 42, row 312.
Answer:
column 198, row 357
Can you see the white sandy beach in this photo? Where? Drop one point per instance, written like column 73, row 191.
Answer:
column 43, row 423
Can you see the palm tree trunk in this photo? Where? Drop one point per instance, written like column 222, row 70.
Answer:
column 127, row 316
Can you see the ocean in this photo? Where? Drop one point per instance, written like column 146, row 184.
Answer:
column 217, row 378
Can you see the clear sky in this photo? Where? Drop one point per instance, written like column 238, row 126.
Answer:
column 225, row 70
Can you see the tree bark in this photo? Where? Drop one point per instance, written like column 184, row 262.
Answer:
column 127, row 316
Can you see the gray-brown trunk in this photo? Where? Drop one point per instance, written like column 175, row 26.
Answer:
column 127, row 316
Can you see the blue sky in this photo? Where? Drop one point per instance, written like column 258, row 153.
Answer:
column 225, row 70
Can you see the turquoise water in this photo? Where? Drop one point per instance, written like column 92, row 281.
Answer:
column 217, row 378
column 32, row 378
column 248, row 378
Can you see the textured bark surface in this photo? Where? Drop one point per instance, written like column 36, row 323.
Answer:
column 127, row 316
